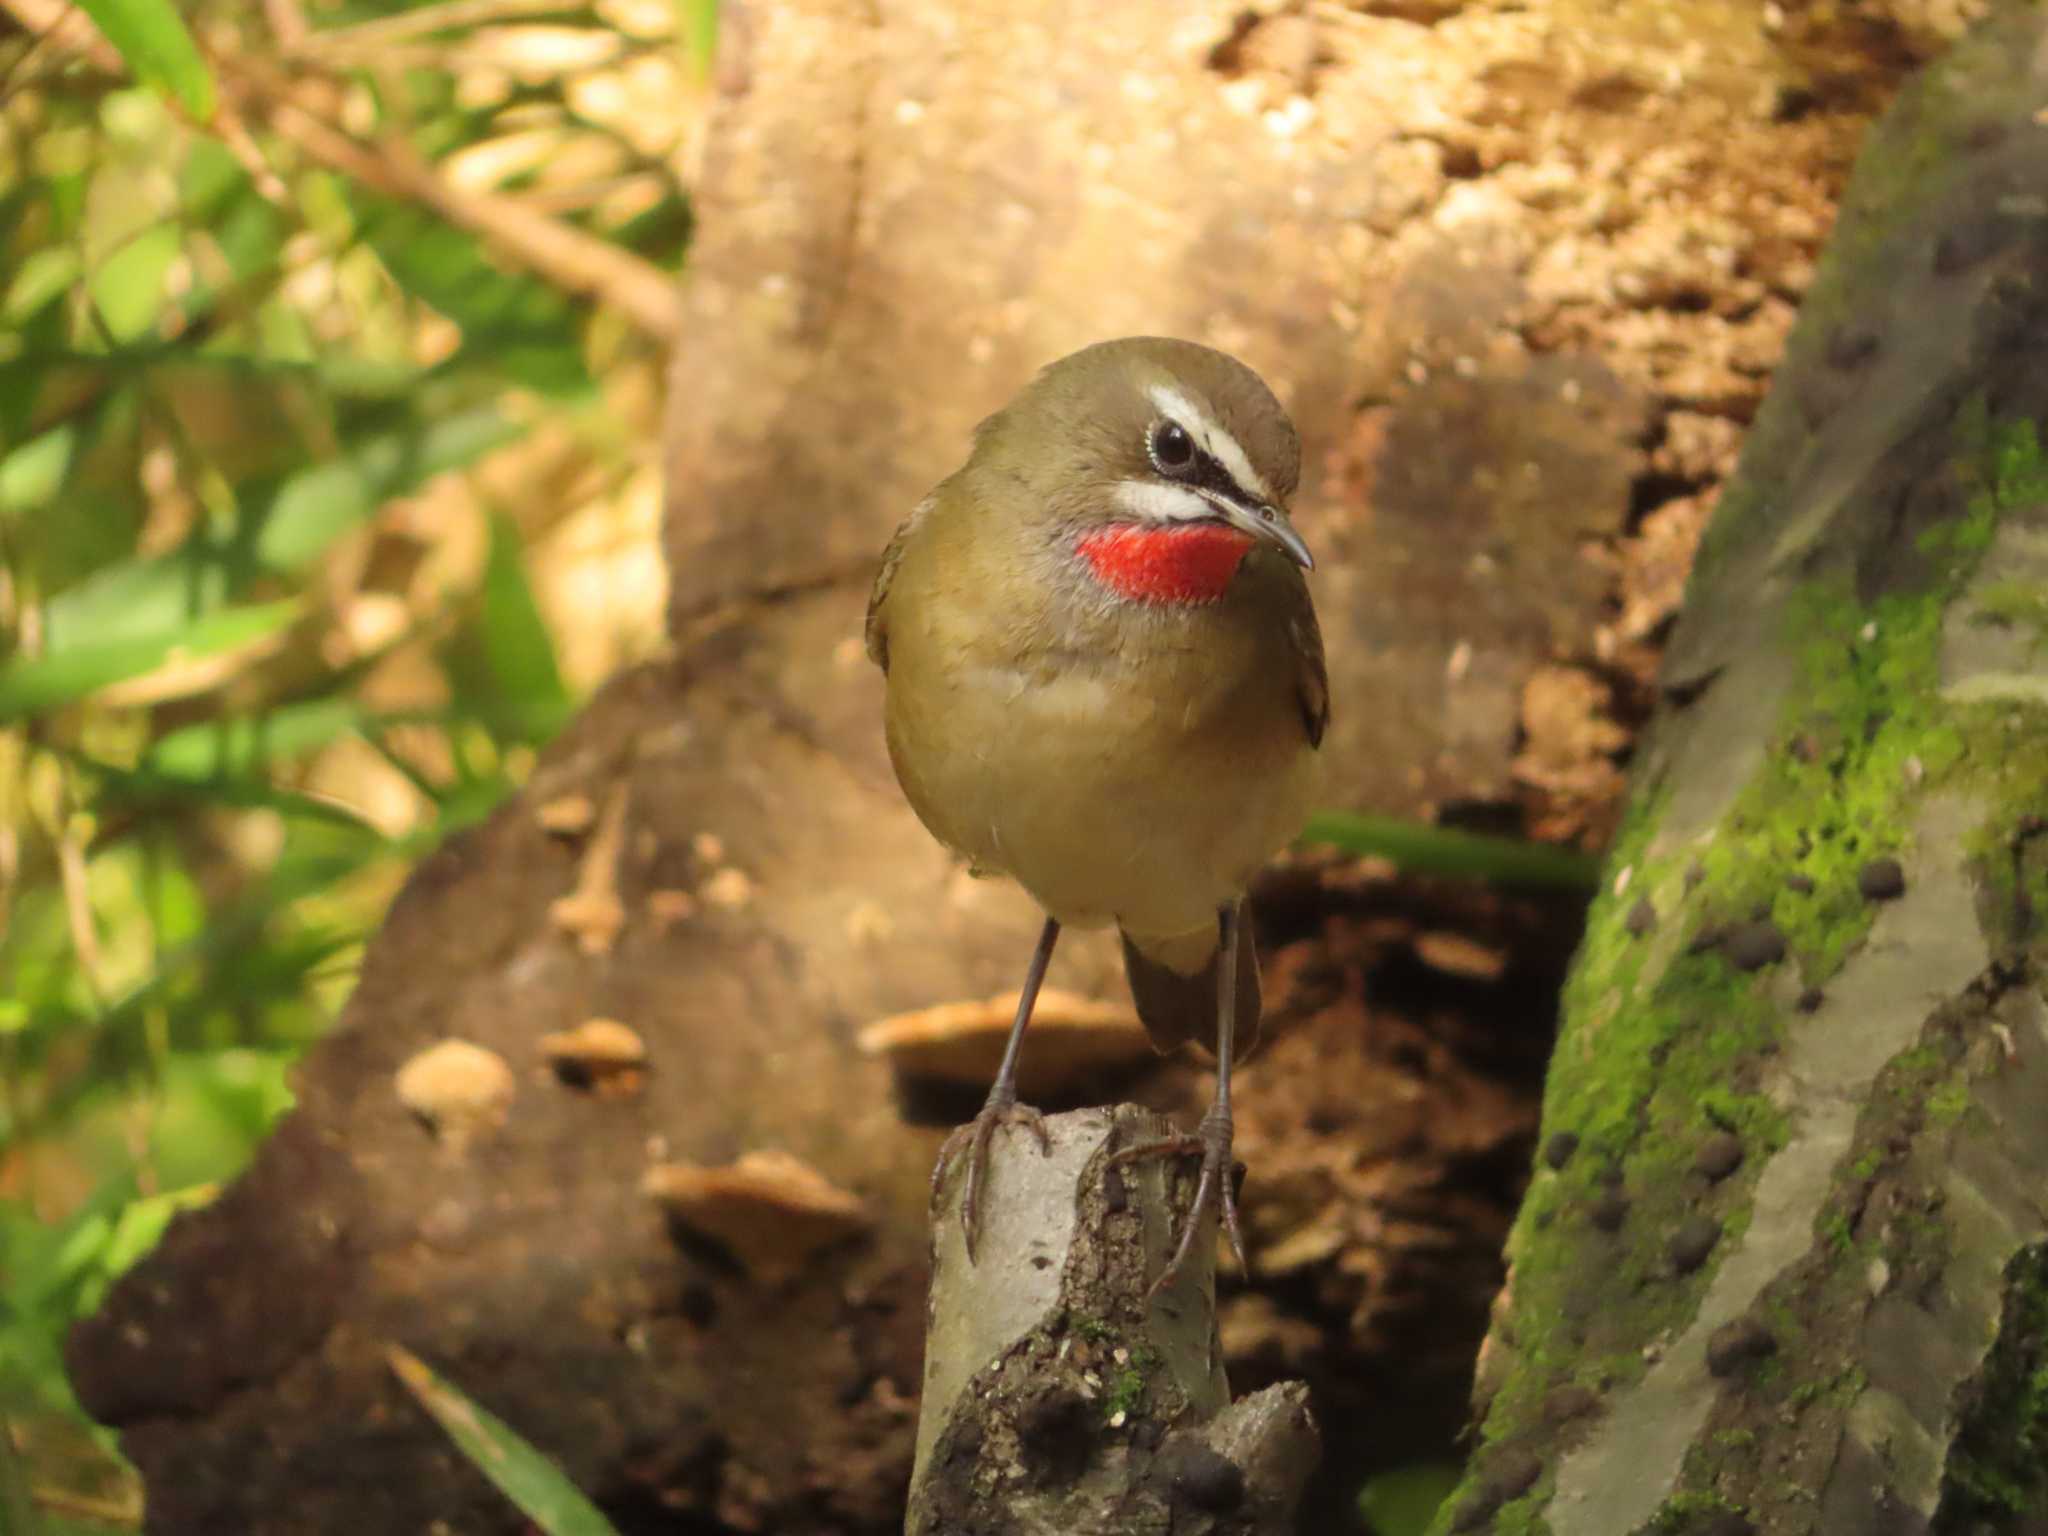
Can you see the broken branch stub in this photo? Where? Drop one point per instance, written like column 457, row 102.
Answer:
column 1060, row 1396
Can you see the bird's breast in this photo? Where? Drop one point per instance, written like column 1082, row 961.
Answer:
column 1135, row 769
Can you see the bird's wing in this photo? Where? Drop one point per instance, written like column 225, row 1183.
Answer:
column 1311, row 676
column 878, row 624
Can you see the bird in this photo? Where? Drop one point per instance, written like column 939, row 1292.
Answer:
column 1104, row 678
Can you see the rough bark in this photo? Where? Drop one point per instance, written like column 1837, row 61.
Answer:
column 1060, row 1394
column 1794, row 1159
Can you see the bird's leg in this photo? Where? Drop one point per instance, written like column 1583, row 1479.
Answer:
column 1212, row 1137
column 1001, row 1106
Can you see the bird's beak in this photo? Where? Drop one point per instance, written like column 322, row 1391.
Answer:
column 1267, row 522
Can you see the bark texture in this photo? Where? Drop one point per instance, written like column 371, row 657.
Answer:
column 1794, row 1160
column 1060, row 1395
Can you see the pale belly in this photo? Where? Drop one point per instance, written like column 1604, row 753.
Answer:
column 1102, row 801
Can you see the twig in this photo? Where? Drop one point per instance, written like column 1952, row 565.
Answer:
column 569, row 258
column 60, row 24
column 85, row 937
column 288, row 24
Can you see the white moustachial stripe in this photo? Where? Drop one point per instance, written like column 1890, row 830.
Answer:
column 1160, row 502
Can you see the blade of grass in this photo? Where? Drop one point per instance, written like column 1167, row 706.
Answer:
column 1420, row 849
column 30, row 685
column 152, row 40
column 298, row 516
column 141, row 789
column 697, row 22
column 516, row 642
column 544, row 1495
column 243, row 745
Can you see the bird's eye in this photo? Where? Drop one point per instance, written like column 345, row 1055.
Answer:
column 1172, row 448
column 1266, row 514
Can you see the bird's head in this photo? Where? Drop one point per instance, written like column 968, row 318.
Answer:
column 1162, row 461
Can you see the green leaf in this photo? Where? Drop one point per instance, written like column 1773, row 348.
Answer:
column 34, row 473
column 44, row 275
column 247, row 744
column 140, row 1224
column 521, row 1473
column 312, row 509
column 516, row 642
column 134, row 599
column 213, row 1109
column 128, row 287
column 307, row 511
column 47, row 1264
column 1420, row 849
column 29, row 685
column 513, row 326
column 152, row 40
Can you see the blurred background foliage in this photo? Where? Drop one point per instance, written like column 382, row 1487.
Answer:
column 330, row 347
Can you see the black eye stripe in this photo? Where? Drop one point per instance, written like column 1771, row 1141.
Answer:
column 1212, row 476
column 1199, row 468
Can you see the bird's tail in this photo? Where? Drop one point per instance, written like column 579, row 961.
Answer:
column 1173, row 982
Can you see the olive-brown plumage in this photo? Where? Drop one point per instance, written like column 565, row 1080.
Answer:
column 1105, row 677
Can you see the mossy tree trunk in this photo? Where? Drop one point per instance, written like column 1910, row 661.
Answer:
column 1780, row 1267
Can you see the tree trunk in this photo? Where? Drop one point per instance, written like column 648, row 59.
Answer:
column 1778, row 1268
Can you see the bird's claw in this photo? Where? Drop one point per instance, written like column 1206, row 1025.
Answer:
column 1217, row 1187
column 976, row 1135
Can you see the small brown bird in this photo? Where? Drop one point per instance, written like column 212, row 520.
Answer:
column 1105, row 680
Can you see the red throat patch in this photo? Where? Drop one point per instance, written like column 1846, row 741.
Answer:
column 1179, row 563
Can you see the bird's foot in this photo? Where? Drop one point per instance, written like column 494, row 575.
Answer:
column 1216, row 1189
column 975, row 1137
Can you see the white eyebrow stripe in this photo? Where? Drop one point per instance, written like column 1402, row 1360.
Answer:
column 1216, row 442
column 1159, row 502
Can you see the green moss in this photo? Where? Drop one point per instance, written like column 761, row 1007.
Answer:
column 1662, row 1044
column 1686, row 1512
column 1126, row 1395
column 1836, row 1233
column 1845, row 1385
column 2013, row 605
column 1999, row 1467
column 1523, row 1516
column 1951, row 1101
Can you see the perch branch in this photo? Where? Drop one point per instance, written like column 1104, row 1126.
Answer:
column 1060, row 1395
